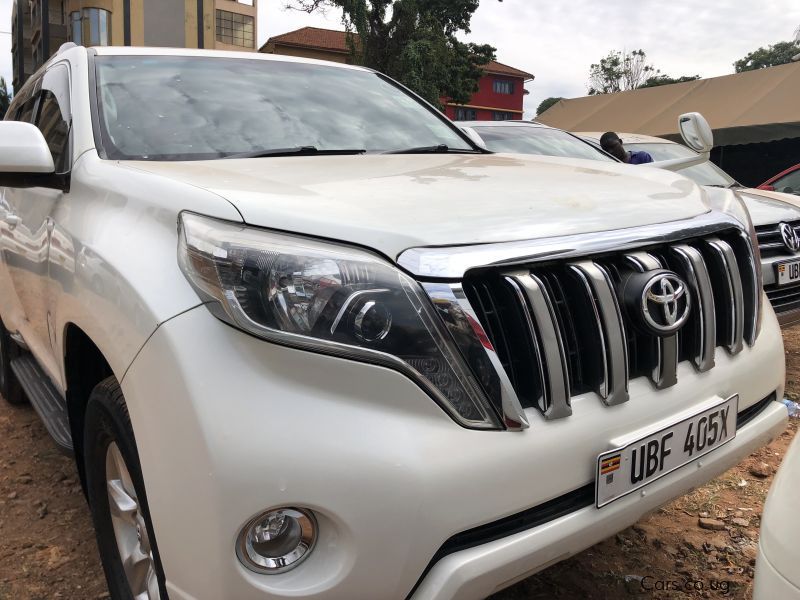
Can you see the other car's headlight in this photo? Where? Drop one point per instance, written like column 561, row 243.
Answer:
column 329, row 298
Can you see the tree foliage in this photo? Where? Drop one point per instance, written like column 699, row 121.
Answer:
column 414, row 42
column 662, row 79
column 5, row 97
column 619, row 71
column 547, row 103
column 771, row 56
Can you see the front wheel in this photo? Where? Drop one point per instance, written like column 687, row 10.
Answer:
column 117, row 498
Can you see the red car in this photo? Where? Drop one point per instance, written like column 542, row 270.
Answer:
column 787, row 181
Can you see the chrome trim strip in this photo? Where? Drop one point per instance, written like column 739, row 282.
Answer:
column 730, row 266
column 452, row 262
column 460, row 312
column 665, row 373
column 700, row 283
column 555, row 403
column 538, row 350
column 614, row 387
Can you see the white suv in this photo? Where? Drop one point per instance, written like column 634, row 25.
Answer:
column 304, row 334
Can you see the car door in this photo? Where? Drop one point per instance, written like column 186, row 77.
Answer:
column 21, row 109
column 28, row 215
column 789, row 183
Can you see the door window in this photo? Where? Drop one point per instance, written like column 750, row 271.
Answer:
column 789, row 183
column 53, row 118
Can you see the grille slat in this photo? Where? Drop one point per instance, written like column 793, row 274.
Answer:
column 600, row 292
column 664, row 372
column 703, row 323
column 725, row 256
column 542, row 325
column 564, row 329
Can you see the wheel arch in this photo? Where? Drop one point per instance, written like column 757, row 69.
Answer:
column 85, row 366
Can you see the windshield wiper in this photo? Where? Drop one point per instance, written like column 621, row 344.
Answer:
column 438, row 149
column 297, row 151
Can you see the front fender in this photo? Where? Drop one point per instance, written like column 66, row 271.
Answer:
column 119, row 278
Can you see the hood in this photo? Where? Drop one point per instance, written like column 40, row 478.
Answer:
column 770, row 208
column 395, row 202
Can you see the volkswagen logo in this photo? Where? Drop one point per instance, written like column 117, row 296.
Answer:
column 665, row 303
column 789, row 236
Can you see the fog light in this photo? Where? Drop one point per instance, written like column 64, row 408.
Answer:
column 277, row 540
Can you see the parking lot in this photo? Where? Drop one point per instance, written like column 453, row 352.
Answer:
column 47, row 547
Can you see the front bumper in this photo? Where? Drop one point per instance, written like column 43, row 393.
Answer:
column 769, row 584
column 228, row 425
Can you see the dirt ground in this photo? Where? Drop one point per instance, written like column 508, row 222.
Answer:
column 48, row 550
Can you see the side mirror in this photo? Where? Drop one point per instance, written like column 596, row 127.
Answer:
column 474, row 136
column 25, row 158
column 696, row 132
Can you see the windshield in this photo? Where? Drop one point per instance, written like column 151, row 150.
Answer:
column 538, row 140
column 706, row 173
column 194, row 108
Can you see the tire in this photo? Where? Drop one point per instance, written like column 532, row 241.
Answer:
column 9, row 386
column 112, row 469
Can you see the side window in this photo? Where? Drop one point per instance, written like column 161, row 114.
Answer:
column 791, row 181
column 24, row 103
column 25, row 112
column 55, row 130
column 53, row 117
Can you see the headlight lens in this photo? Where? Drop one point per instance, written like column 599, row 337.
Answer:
column 329, row 298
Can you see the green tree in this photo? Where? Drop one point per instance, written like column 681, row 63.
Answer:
column 620, row 71
column 657, row 80
column 414, row 42
column 771, row 56
column 5, row 97
column 547, row 103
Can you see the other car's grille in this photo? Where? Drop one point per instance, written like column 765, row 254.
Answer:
column 784, row 299
column 770, row 239
column 564, row 328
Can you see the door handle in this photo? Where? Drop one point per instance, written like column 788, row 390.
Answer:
column 12, row 220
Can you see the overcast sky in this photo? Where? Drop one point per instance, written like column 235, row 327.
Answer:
column 558, row 40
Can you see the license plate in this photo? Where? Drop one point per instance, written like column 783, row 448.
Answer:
column 634, row 465
column 788, row 272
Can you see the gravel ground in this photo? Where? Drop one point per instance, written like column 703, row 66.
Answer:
column 705, row 541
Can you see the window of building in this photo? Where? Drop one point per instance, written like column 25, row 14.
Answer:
column 466, row 114
column 500, row 115
column 502, row 86
column 90, row 27
column 235, row 29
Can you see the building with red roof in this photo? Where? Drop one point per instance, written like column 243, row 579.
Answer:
column 499, row 97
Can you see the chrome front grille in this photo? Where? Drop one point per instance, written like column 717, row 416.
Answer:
column 784, row 299
column 562, row 328
column 770, row 239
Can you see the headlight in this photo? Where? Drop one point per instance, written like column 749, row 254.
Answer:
column 329, row 298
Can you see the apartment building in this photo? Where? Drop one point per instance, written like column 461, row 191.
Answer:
column 39, row 27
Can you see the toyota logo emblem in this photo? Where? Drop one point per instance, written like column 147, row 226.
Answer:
column 790, row 239
column 665, row 303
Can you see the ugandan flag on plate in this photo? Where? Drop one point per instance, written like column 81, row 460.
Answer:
column 610, row 464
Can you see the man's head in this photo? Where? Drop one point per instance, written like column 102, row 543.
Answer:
column 611, row 143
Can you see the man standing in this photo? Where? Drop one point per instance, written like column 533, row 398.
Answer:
column 611, row 143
